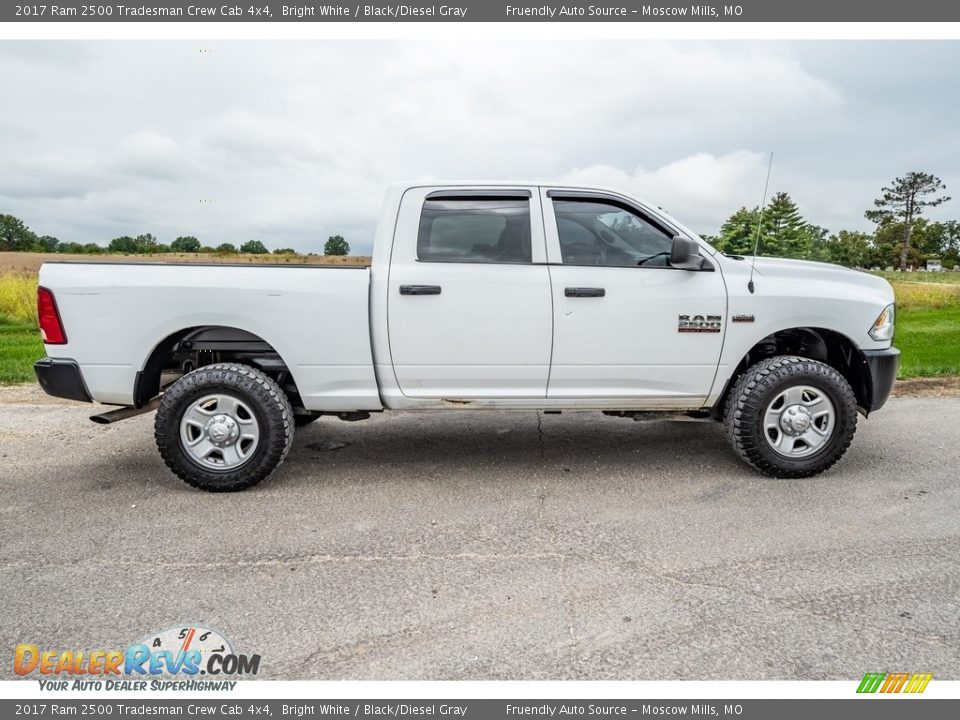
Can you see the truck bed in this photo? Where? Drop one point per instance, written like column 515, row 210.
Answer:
column 316, row 317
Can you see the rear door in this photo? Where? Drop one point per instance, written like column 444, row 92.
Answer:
column 469, row 304
column 628, row 327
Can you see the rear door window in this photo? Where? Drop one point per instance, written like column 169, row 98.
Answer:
column 475, row 230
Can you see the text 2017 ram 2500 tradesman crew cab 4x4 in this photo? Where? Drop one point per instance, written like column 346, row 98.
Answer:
column 480, row 295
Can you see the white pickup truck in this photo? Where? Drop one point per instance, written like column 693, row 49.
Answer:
column 512, row 296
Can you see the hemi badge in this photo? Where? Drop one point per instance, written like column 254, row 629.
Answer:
column 742, row 318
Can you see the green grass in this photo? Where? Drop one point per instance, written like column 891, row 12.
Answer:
column 928, row 323
column 929, row 341
column 20, row 348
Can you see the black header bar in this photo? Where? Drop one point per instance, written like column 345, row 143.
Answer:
column 236, row 708
column 898, row 11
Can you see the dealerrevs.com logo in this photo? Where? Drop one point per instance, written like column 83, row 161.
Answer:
column 179, row 658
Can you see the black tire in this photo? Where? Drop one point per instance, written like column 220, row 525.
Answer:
column 760, row 386
column 304, row 420
column 262, row 395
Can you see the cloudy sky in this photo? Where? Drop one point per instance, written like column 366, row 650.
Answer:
column 289, row 142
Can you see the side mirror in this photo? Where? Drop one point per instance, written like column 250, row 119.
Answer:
column 685, row 254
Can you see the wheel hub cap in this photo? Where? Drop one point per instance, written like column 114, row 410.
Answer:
column 799, row 421
column 219, row 432
column 222, row 430
column 796, row 420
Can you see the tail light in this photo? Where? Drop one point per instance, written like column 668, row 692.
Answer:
column 51, row 329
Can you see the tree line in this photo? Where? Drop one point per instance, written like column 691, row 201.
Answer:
column 15, row 236
column 902, row 238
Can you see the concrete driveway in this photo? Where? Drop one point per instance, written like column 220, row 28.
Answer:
column 476, row 545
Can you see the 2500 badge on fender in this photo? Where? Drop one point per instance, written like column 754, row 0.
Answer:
column 700, row 323
column 496, row 295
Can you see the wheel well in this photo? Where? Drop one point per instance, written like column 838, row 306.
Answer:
column 190, row 348
column 828, row 346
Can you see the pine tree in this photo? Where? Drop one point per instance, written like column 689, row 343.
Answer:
column 904, row 201
column 738, row 234
column 785, row 233
column 336, row 245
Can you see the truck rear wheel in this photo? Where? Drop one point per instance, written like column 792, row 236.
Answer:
column 224, row 427
column 791, row 417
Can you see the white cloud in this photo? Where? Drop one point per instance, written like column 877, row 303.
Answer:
column 151, row 155
column 698, row 189
column 294, row 141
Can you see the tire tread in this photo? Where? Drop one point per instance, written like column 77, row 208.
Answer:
column 273, row 404
column 746, row 401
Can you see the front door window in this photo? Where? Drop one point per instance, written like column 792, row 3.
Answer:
column 609, row 234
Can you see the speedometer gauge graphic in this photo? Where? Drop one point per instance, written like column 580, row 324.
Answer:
column 178, row 641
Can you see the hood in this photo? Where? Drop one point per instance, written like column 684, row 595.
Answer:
column 805, row 271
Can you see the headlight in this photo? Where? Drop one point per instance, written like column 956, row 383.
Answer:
column 883, row 326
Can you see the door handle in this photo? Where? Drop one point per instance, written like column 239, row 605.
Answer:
column 419, row 289
column 584, row 292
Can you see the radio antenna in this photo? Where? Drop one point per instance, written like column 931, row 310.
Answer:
column 756, row 244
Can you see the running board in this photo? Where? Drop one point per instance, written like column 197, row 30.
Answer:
column 647, row 415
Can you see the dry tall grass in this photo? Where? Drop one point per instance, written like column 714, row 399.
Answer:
column 18, row 296
column 916, row 296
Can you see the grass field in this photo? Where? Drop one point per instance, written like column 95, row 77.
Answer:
column 20, row 347
column 928, row 317
column 928, row 322
column 929, row 340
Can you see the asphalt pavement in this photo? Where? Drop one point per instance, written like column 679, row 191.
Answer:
column 493, row 545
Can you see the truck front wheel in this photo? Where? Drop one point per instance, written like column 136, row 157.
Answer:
column 791, row 417
column 224, row 427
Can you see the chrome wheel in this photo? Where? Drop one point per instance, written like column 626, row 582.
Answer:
column 219, row 431
column 799, row 421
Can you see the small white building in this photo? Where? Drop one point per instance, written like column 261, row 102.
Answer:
column 933, row 265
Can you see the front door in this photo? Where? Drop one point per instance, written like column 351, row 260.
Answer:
column 469, row 295
column 627, row 326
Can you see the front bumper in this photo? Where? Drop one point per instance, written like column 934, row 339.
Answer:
column 882, row 366
column 61, row 378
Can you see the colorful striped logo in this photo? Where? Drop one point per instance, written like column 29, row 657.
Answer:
column 894, row 682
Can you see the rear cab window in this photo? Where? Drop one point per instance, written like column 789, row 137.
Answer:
column 475, row 229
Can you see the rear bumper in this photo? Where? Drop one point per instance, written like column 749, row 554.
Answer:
column 882, row 366
column 61, row 378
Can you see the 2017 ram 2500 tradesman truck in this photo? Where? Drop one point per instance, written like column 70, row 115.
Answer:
column 481, row 295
